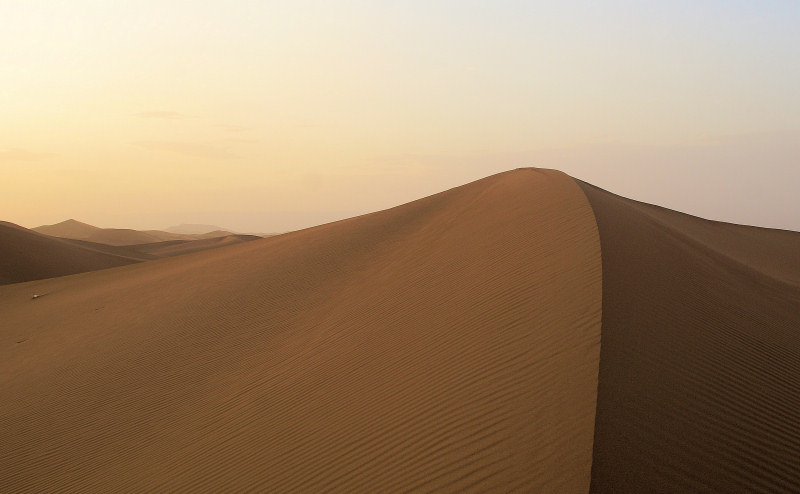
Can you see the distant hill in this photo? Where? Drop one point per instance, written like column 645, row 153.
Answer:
column 69, row 229
column 77, row 230
column 26, row 255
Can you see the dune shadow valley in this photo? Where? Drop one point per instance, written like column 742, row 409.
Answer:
column 526, row 332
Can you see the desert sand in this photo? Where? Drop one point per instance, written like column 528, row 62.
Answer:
column 526, row 332
column 180, row 247
column 448, row 344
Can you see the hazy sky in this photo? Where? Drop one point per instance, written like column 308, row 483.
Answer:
column 270, row 116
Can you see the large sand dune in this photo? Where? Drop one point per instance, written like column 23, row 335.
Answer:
column 700, row 364
column 448, row 344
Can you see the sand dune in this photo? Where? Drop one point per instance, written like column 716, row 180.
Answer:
column 69, row 229
column 448, row 344
column 111, row 236
column 700, row 364
column 26, row 255
column 73, row 229
column 525, row 332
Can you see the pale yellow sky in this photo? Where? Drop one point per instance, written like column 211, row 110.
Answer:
column 270, row 116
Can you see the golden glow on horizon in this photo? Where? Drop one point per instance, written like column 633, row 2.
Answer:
column 269, row 116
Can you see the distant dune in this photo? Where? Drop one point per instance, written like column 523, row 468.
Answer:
column 193, row 229
column 69, row 229
column 26, row 255
column 118, row 236
column 526, row 332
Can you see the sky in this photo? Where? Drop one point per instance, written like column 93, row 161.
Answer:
column 263, row 116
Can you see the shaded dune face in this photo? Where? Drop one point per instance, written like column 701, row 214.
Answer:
column 448, row 344
column 699, row 384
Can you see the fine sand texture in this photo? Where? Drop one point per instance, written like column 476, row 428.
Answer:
column 699, row 385
column 449, row 344
column 26, row 255
column 180, row 247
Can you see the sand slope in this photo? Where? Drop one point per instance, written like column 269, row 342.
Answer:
column 448, row 344
column 700, row 364
column 131, row 251
column 26, row 255
column 180, row 247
